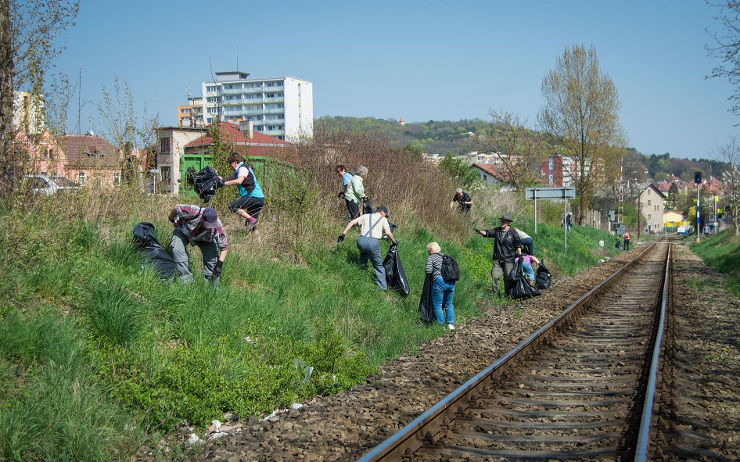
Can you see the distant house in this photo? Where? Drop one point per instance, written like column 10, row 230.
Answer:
column 85, row 159
column 672, row 219
column 650, row 204
column 179, row 148
column 494, row 175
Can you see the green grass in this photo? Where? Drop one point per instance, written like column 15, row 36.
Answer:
column 722, row 252
column 89, row 340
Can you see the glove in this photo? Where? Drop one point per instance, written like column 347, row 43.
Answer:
column 217, row 269
column 171, row 220
column 395, row 242
column 220, row 183
column 476, row 230
column 340, row 238
column 340, row 194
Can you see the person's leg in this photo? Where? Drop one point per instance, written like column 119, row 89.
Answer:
column 438, row 290
column 447, row 302
column 377, row 260
column 354, row 209
column 210, row 257
column 238, row 207
column 507, row 270
column 496, row 273
column 527, row 268
column 254, row 206
column 178, row 249
column 349, row 208
column 528, row 243
column 364, row 246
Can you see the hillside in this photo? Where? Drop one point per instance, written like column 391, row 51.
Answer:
column 457, row 137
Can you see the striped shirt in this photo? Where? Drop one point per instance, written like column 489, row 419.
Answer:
column 434, row 265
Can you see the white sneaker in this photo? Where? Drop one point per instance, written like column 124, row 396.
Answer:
column 451, row 326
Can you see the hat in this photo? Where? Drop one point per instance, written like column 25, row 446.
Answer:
column 506, row 218
column 210, row 217
column 382, row 208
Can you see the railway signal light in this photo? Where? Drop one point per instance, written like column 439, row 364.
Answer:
column 697, row 177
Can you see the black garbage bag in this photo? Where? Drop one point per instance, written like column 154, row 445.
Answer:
column 152, row 251
column 519, row 284
column 367, row 206
column 542, row 277
column 206, row 182
column 426, row 307
column 394, row 274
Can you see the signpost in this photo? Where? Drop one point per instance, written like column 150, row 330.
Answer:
column 552, row 194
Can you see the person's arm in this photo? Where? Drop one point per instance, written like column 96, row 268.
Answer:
column 239, row 180
column 351, row 224
column 429, row 268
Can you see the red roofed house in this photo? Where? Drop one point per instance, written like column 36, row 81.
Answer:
column 81, row 158
column 493, row 174
column 179, row 148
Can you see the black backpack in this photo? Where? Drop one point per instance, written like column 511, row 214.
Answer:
column 450, row 270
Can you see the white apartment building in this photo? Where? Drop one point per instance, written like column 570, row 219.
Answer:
column 281, row 107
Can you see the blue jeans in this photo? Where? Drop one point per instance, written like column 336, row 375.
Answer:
column 528, row 242
column 370, row 249
column 442, row 292
column 527, row 269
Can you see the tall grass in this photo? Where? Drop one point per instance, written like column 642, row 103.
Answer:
column 90, row 339
column 722, row 252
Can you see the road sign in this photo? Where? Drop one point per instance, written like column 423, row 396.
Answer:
column 550, row 194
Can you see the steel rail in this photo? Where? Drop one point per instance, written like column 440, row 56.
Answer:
column 643, row 438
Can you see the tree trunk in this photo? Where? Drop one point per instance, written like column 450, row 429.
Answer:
column 7, row 69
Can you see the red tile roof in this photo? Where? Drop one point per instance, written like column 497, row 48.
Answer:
column 259, row 145
column 89, row 151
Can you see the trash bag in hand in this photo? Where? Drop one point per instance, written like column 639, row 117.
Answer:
column 206, row 182
column 395, row 276
column 518, row 283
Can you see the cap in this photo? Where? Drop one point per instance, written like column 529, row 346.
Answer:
column 506, row 218
column 382, row 208
column 210, row 217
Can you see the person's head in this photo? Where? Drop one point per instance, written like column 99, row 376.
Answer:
column 209, row 218
column 433, row 247
column 234, row 157
column 341, row 169
column 383, row 210
column 362, row 171
column 506, row 220
column 459, row 191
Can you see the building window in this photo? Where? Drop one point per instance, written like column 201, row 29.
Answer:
column 81, row 178
column 211, row 88
column 164, row 144
column 649, row 204
column 117, row 179
column 165, row 174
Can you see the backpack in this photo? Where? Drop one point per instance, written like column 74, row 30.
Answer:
column 450, row 270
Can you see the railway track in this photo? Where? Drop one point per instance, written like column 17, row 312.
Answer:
column 580, row 388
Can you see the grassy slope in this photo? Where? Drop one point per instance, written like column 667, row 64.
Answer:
column 722, row 252
column 88, row 340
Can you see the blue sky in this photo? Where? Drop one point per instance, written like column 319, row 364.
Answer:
column 417, row 60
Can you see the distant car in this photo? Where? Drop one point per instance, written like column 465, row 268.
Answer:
column 48, row 185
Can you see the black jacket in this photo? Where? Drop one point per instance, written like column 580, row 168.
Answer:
column 505, row 245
